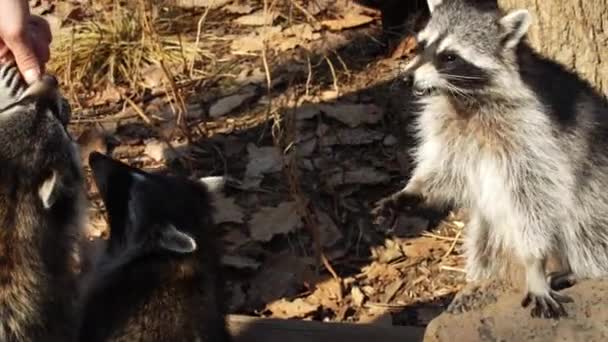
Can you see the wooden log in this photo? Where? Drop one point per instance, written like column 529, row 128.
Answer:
column 255, row 329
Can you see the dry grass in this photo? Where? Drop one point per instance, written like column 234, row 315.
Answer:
column 118, row 46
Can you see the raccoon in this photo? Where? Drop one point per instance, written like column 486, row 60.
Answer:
column 42, row 205
column 517, row 139
column 160, row 277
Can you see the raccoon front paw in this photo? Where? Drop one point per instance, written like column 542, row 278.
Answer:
column 469, row 298
column 547, row 305
column 387, row 209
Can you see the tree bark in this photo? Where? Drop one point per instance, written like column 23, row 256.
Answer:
column 573, row 32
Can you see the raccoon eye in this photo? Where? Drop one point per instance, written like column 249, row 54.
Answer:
column 448, row 57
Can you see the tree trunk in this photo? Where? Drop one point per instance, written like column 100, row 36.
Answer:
column 573, row 32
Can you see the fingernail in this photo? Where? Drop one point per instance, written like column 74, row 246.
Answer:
column 31, row 75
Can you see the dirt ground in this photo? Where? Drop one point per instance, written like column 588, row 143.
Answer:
column 300, row 105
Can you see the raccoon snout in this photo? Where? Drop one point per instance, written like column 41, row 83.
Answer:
column 422, row 89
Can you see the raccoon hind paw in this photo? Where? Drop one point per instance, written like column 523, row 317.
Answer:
column 548, row 305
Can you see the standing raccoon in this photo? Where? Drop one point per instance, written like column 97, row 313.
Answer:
column 518, row 140
column 41, row 204
column 160, row 279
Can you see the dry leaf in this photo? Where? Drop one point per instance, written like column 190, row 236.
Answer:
column 405, row 48
column 349, row 20
column 227, row 104
column 281, row 275
column 347, row 136
column 226, row 210
column 328, row 231
column 155, row 149
column 307, row 111
column 270, row 221
column 258, row 18
column 153, row 76
column 262, row 160
column 303, row 31
column 299, row 308
column 213, row 4
column 254, row 41
column 91, row 140
column 238, row 8
column 353, row 115
column 361, row 175
column 240, row 262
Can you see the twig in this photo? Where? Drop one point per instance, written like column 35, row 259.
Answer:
column 328, row 266
column 333, row 74
column 439, row 237
column 453, row 244
column 199, row 28
column 138, row 110
column 450, row 268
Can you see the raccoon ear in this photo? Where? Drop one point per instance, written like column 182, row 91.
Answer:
column 433, row 4
column 214, row 184
column 176, row 241
column 49, row 190
column 515, row 25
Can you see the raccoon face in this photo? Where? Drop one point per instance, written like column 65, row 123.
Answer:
column 465, row 49
column 33, row 123
column 150, row 213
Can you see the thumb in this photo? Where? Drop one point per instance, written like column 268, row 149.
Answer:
column 22, row 49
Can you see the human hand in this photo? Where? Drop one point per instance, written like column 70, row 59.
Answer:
column 24, row 38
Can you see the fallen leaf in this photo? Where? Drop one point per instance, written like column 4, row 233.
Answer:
column 155, row 149
column 306, row 148
column 254, row 41
column 270, row 221
column 307, row 111
column 153, row 76
column 246, row 44
column 227, row 104
column 226, row 210
column 318, row 6
column 353, row 115
column 240, row 262
column 349, row 20
column 328, row 231
column 262, row 160
column 348, row 136
column 405, row 48
column 258, row 18
column 303, row 31
column 212, row 4
column 362, row 175
column 298, row 308
column 91, row 140
column 238, row 8
column 234, row 238
column 281, row 275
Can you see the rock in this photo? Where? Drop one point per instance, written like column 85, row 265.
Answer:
column 506, row 320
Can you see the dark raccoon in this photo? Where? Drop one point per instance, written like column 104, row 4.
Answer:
column 160, row 278
column 41, row 204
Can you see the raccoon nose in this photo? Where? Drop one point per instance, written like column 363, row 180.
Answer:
column 421, row 88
